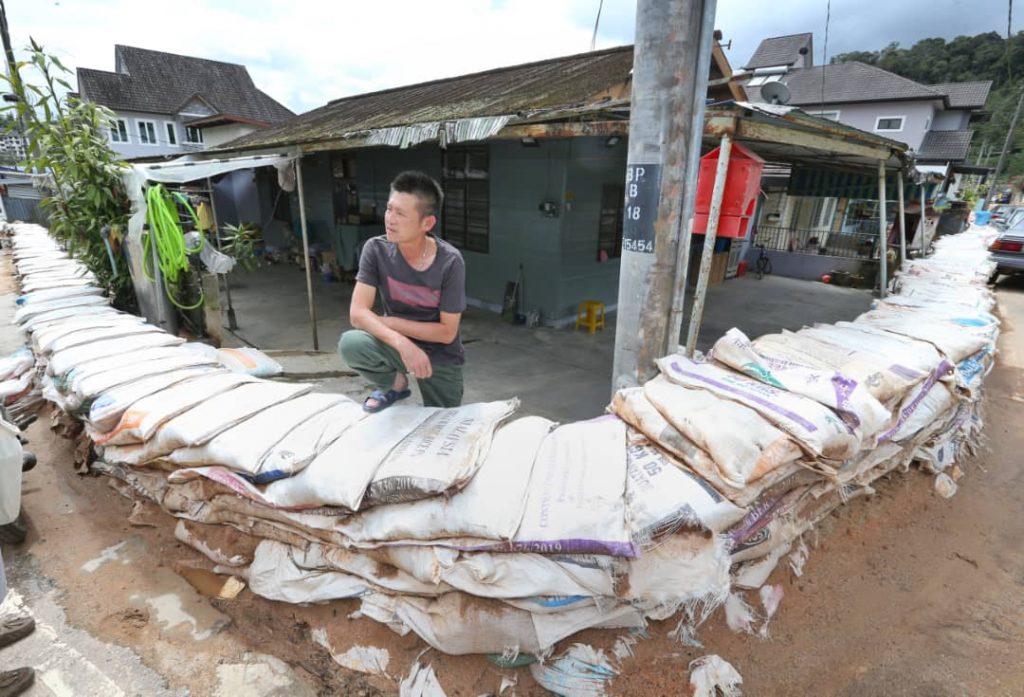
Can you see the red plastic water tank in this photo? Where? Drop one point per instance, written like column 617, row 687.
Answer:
column 742, row 182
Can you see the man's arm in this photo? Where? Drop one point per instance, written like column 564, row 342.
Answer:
column 443, row 332
column 362, row 316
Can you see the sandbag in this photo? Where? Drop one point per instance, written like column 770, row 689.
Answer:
column 661, row 498
column 242, row 447
column 748, row 449
column 16, row 364
column 63, row 361
column 54, row 316
column 82, row 389
column 922, row 407
column 140, row 422
column 956, row 342
column 489, row 507
column 274, row 575
column 440, row 456
column 300, row 446
column 56, row 293
column 816, row 427
column 27, row 312
column 209, row 418
column 575, row 502
column 88, row 336
column 106, row 410
column 841, row 393
column 43, row 338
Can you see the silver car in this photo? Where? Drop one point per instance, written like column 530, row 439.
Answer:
column 1008, row 252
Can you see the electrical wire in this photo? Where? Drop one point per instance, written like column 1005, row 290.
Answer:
column 166, row 235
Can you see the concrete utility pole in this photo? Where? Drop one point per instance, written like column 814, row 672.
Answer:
column 671, row 60
column 12, row 72
column 1007, row 145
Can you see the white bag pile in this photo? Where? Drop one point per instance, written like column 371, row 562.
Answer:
column 485, row 534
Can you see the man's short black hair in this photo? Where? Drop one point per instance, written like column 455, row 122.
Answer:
column 422, row 186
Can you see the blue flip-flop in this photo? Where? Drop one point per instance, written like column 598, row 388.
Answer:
column 384, row 399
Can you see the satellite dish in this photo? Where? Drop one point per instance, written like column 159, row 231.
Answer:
column 775, row 93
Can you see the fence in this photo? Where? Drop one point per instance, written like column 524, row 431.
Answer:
column 850, row 245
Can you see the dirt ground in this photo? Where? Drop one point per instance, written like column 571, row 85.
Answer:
column 904, row 593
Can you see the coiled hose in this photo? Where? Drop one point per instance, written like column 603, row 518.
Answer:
column 165, row 232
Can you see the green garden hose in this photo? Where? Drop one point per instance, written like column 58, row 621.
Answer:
column 165, row 232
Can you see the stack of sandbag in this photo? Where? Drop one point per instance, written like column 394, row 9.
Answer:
column 528, row 530
column 484, row 533
column 791, row 425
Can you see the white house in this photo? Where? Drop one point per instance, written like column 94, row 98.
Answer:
column 166, row 104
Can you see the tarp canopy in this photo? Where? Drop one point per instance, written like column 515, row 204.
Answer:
column 192, row 168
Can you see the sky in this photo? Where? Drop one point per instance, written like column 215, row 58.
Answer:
column 305, row 53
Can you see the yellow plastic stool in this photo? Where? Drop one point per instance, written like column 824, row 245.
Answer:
column 590, row 314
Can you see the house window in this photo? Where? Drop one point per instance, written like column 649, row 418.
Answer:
column 609, row 222
column 172, row 133
column 147, row 132
column 889, row 123
column 830, row 115
column 193, row 135
column 119, row 132
column 466, row 183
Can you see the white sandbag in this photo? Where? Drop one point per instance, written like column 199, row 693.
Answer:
column 814, row 426
column 63, row 361
column 339, row 475
column 841, row 393
column 213, row 416
column 302, row 444
column 16, row 364
column 242, row 447
column 35, row 285
column 661, row 498
column 82, row 389
column 120, row 364
column 497, row 626
column 27, row 312
column 106, row 410
column 42, row 339
column 249, row 361
column 575, row 502
column 140, row 422
column 87, row 336
column 15, row 386
column 748, row 449
column 274, row 575
column 489, row 507
column 956, row 342
column 922, row 408
column 49, row 318
column 57, row 293
column 582, row 671
column 440, row 455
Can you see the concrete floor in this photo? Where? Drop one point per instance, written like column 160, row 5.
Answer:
column 557, row 373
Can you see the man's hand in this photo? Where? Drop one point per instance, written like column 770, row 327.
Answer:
column 416, row 360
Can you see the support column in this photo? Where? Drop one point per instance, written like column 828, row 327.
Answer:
column 305, row 251
column 721, row 171
column 670, row 72
column 883, row 280
column 902, row 222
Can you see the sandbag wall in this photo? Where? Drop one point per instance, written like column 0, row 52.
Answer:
column 527, row 531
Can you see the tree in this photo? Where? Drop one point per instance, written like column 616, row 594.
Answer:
column 67, row 139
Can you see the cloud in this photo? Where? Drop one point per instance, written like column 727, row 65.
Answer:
column 306, row 53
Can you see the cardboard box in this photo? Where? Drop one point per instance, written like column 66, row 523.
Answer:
column 719, row 264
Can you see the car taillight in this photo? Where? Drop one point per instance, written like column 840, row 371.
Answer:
column 1006, row 246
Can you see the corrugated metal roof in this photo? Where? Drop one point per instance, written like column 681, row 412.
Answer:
column 520, row 90
column 945, row 146
column 162, row 83
column 780, row 50
column 965, row 95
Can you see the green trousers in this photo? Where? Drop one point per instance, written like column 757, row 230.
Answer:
column 379, row 363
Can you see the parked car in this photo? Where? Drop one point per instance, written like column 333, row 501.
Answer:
column 1002, row 213
column 1008, row 252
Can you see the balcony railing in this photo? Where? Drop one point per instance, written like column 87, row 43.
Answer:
column 852, row 245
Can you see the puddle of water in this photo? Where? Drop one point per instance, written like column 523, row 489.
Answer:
column 112, row 553
column 170, row 613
